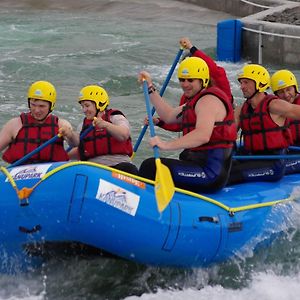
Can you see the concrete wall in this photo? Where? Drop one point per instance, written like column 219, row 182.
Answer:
column 275, row 50
column 233, row 7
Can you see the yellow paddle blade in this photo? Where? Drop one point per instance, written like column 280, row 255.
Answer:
column 132, row 155
column 164, row 185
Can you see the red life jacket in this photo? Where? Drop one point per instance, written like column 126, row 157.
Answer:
column 32, row 135
column 218, row 77
column 224, row 133
column 295, row 125
column 259, row 131
column 100, row 142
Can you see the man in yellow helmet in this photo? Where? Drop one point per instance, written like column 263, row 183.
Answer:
column 284, row 85
column 209, row 131
column 218, row 77
column 109, row 143
column 262, row 119
column 25, row 133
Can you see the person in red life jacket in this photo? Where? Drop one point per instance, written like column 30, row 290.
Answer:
column 263, row 120
column 109, row 143
column 284, row 85
column 23, row 134
column 218, row 77
column 209, row 131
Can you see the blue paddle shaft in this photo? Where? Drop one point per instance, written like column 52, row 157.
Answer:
column 295, row 148
column 151, row 125
column 33, row 152
column 165, row 84
column 82, row 135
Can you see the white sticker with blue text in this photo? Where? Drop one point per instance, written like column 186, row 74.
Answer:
column 27, row 172
column 117, row 197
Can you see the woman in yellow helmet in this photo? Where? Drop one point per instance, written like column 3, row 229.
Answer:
column 284, row 85
column 110, row 142
column 209, row 131
column 25, row 133
column 262, row 119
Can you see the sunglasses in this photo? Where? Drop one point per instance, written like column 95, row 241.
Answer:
column 183, row 80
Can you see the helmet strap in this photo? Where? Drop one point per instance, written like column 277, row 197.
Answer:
column 256, row 91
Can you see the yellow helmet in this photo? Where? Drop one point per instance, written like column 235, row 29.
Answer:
column 96, row 94
column 258, row 74
column 194, row 68
column 43, row 90
column 282, row 79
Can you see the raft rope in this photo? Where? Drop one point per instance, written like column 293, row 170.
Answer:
column 233, row 210
column 25, row 192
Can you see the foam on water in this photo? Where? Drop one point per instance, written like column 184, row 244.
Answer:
column 265, row 286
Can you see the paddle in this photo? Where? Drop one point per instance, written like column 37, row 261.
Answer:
column 33, row 152
column 294, row 148
column 167, row 80
column 164, row 185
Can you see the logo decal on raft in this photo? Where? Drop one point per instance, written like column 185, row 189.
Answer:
column 117, row 197
column 266, row 172
column 192, row 174
column 29, row 172
column 130, row 180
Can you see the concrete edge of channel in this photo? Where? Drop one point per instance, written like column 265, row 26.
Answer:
column 277, row 44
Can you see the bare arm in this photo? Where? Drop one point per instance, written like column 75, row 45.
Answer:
column 9, row 132
column 208, row 111
column 285, row 109
column 118, row 127
column 73, row 153
column 165, row 111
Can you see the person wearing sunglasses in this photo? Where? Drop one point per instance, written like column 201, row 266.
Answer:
column 209, row 130
column 218, row 77
column 109, row 143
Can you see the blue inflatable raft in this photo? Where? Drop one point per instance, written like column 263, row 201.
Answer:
column 116, row 212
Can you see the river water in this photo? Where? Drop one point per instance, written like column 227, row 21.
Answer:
column 75, row 43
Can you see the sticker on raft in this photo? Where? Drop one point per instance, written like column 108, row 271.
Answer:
column 29, row 172
column 117, row 197
column 130, row 180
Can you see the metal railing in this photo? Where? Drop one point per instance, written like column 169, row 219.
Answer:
column 260, row 33
column 255, row 4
